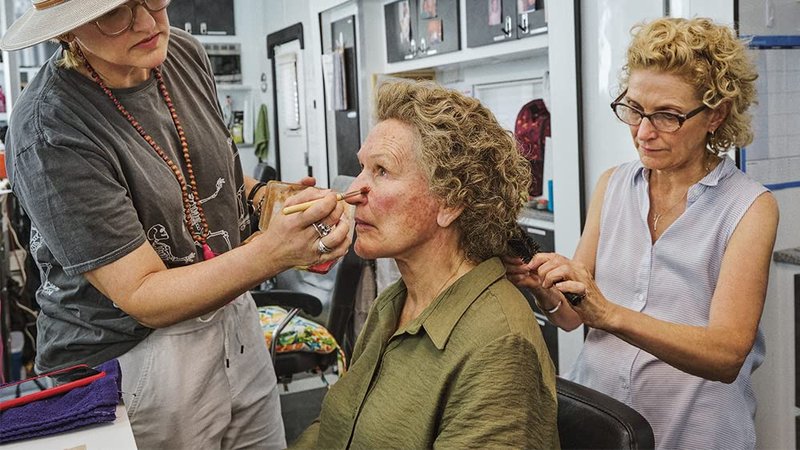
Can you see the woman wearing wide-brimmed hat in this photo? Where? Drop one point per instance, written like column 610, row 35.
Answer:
column 118, row 153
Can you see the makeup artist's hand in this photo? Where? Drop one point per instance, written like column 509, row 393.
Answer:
column 293, row 239
column 308, row 181
column 566, row 275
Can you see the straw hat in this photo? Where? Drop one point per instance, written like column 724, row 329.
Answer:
column 50, row 18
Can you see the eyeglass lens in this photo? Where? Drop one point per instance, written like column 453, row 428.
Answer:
column 662, row 121
column 119, row 19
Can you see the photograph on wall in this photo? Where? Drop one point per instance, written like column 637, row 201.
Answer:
column 428, row 10
column 525, row 6
column 434, row 31
column 404, row 19
column 495, row 12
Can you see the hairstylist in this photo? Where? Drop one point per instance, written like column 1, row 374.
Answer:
column 674, row 259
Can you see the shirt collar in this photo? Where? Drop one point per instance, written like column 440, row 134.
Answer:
column 441, row 316
column 642, row 174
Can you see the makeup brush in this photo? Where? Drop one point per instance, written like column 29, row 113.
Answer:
column 339, row 197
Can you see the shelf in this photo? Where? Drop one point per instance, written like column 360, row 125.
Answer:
column 221, row 87
column 536, row 218
column 485, row 55
column 218, row 38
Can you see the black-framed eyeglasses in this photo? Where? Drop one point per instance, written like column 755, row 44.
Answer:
column 120, row 19
column 661, row 120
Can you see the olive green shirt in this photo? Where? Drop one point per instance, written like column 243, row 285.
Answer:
column 471, row 371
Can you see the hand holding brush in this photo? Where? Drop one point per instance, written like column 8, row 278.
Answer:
column 526, row 248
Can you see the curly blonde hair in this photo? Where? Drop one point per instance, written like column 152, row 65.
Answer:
column 469, row 160
column 708, row 56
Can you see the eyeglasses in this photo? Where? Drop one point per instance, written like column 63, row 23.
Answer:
column 120, row 19
column 661, row 120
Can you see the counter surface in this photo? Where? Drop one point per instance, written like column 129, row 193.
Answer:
column 789, row 256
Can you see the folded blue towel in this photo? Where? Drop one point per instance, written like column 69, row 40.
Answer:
column 82, row 406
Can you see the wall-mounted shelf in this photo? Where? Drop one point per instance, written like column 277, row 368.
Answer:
column 467, row 57
column 224, row 87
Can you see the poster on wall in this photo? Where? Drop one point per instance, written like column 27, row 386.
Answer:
column 428, row 10
column 524, row 6
column 434, row 31
column 404, row 21
column 495, row 12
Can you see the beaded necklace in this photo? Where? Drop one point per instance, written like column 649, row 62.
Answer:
column 194, row 216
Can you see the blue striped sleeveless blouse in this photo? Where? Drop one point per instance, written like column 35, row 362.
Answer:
column 671, row 280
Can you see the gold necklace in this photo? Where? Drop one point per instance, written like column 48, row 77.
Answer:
column 657, row 216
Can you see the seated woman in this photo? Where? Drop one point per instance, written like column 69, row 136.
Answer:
column 451, row 354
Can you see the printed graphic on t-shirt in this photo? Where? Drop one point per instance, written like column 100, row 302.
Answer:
column 157, row 234
column 244, row 216
column 36, row 243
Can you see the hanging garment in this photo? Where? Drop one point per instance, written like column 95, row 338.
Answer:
column 531, row 129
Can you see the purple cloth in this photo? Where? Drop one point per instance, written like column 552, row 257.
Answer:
column 82, row 406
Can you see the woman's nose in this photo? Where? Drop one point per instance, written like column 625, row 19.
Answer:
column 358, row 185
column 142, row 18
column 646, row 131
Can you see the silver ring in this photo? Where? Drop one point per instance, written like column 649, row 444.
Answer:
column 322, row 247
column 322, row 229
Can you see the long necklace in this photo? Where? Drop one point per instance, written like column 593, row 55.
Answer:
column 657, row 216
column 194, row 216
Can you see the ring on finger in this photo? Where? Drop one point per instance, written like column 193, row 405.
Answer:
column 322, row 247
column 574, row 299
column 322, row 229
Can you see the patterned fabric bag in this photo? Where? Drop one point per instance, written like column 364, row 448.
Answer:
column 300, row 335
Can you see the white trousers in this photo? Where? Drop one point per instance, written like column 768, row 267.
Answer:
column 205, row 383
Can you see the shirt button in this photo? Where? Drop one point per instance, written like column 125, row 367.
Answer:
column 641, row 297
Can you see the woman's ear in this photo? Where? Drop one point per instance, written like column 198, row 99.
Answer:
column 448, row 214
column 718, row 115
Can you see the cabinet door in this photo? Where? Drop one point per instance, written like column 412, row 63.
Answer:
column 531, row 18
column 490, row 21
column 438, row 25
column 214, row 17
column 348, row 128
column 400, row 25
column 181, row 15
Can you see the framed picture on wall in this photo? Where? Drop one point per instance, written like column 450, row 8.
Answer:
column 434, row 31
column 524, row 6
column 428, row 10
column 404, row 21
column 495, row 12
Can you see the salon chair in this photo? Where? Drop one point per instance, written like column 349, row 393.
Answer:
column 326, row 299
column 264, row 172
column 339, row 323
column 588, row 419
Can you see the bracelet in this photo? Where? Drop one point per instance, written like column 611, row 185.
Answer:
column 551, row 311
column 257, row 209
column 252, row 195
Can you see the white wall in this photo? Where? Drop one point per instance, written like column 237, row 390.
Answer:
column 605, row 34
column 279, row 14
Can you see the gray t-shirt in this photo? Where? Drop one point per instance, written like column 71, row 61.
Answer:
column 95, row 191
